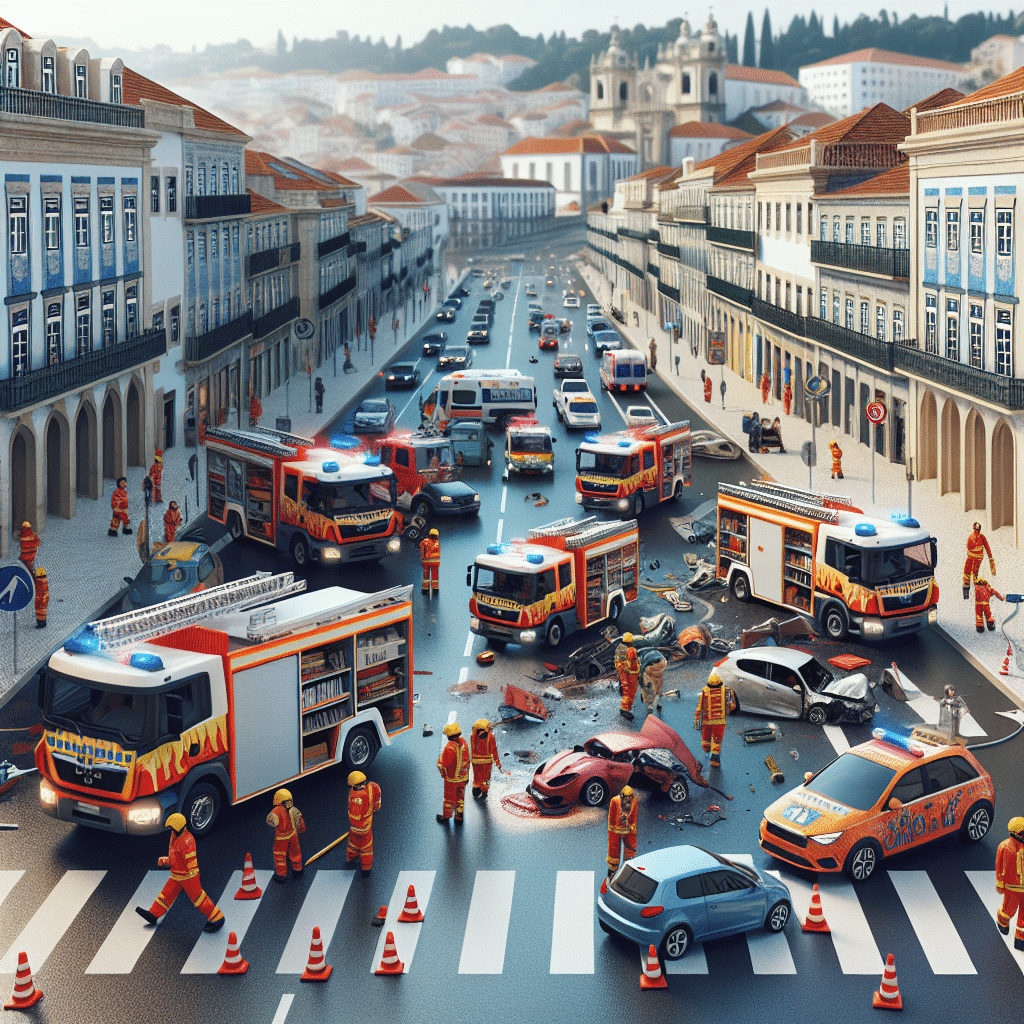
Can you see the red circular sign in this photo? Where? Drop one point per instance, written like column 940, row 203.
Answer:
column 875, row 412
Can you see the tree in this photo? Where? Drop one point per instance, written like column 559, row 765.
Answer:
column 835, row 26
column 749, row 44
column 282, row 44
column 732, row 45
column 767, row 43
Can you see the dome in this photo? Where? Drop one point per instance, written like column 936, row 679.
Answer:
column 710, row 28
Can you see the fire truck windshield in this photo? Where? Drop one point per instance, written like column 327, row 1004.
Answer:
column 881, row 566
column 351, row 496
column 534, row 443
column 606, row 463
column 126, row 718
column 510, row 586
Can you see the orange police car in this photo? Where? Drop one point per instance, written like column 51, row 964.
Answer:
column 879, row 798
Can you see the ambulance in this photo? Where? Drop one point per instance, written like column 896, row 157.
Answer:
column 624, row 370
column 528, row 447
column 487, row 396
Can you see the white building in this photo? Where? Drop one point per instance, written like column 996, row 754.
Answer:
column 489, row 69
column 1002, row 54
column 755, row 87
column 485, row 211
column 700, row 140
column 848, row 83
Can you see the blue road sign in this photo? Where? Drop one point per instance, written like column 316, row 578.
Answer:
column 17, row 588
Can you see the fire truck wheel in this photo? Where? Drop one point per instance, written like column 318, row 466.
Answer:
column 638, row 505
column 201, row 807
column 615, row 610
column 235, row 526
column 835, row 622
column 740, row 587
column 360, row 748
column 300, row 551
column 555, row 633
column 678, row 492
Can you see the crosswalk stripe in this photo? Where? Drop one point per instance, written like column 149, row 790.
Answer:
column 283, row 1007
column 835, row 735
column 572, row 930
column 769, row 951
column 208, row 953
column 695, row 961
column 52, row 919
column 935, row 930
column 984, row 883
column 320, row 909
column 490, row 909
column 127, row 940
column 8, row 880
column 407, row 933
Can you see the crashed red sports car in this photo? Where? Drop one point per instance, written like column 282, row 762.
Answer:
column 598, row 769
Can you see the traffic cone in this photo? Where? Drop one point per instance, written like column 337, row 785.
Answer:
column 233, row 962
column 1005, row 668
column 411, row 911
column 248, row 890
column 25, row 993
column 888, row 995
column 382, row 916
column 317, row 968
column 652, row 976
column 815, row 918
column 389, row 962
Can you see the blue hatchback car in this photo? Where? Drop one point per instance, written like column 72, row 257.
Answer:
column 675, row 897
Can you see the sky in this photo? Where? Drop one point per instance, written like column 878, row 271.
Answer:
column 198, row 22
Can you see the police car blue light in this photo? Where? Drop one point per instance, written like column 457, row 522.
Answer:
column 865, row 530
column 330, row 467
column 345, row 441
column 146, row 661
column 83, row 641
column 534, row 559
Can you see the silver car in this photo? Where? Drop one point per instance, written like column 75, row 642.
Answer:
column 785, row 683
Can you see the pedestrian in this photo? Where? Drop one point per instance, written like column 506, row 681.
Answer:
column 119, row 508
column 707, row 386
column 484, row 751
column 629, row 674
column 765, row 386
column 983, row 593
column 29, row 545
column 654, row 355
column 255, row 407
column 155, row 474
column 952, row 709
column 172, row 520
column 286, row 821
column 1010, row 881
column 430, row 558
column 722, row 389
column 363, row 802
column 777, row 430
column 787, row 398
column 453, row 764
column 754, row 433
column 977, row 548
column 714, row 703
column 181, row 859
column 318, row 391
column 42, row 596
column 837, row 460
column 622, row 817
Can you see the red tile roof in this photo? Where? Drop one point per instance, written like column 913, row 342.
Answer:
column 813, row 119
column 873, row 55
column 742, row 158
column 1005, row 86
column 136, row 88
column 354, row 163
column 654, row 174
column 739, row 73
column 893, row 182
column 261, row 164
column 774, row 106
column 706, row 130
column 557, row 87
column 402, row 195
column 260, row 204
column 4, row 23
column 942, row 98
column 877, row 124
column 578, row 144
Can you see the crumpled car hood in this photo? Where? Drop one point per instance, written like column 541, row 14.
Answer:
column 854, row 687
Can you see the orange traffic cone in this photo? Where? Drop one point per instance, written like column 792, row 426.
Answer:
column 411, row 911
column 888, row 995
column 652, row 976
column 317, row 968
column 1005, row 668
column 25, row 993
column 815, row 918
column 248, row 890
column 233, row 962
column 389, row 962
column 382, row 916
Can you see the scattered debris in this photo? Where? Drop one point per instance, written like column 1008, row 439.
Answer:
column 427, row 731
column 759, row 734
column 525, row 756
column 422, row 672
column 540, row 504
column 520, row 703
column 533, row 496
column 551, row 694
column 468, row 686
column 752, row 790
column 777, row 631
column 772, row 765
column 7, row 826
column 795, row 755
column 848, row 662
column 381, row 917
column 654, row 565
column 485, row 658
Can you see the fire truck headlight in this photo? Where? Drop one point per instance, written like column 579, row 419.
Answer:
column 47, row 794
column 870, row 627
column 622, row 504
column 933, row 616
column 330, row 553
column 579, row 498
column 394, row 546
column 145, row 814
column 527, row 636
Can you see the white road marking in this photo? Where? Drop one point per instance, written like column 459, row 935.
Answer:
column 320, row 909
column 618, row 408
column 984, row 883
column 694, row 962
column 469, row 646
column 217, row 546
column 501, row 525
column 935, row 931
column 414, row 397
column 8, row 880
column 283, row 1007
column 464, row 672
column 127, row 940
column 490, row 909
column 654, row 406
column 835, row 735
column 769, row 951
column 572, row 931
column 406, row 933
column 504, row 495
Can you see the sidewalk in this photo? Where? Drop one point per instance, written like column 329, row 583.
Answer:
column 943, row 515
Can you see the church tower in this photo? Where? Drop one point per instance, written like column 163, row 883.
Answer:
column 694, row 72
column 612, row 83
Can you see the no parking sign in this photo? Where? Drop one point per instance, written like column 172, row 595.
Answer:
column 875, row 412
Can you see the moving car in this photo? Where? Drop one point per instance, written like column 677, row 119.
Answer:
column 564, row 326
column 433, row 343
column 675, row 897
column 571, row 302
column 401, row 375
column 374, row 416
column 173, row 570
column 640, row 416
column 478, row 336
column 550, row 282
column 712, row 445
column 528, row 447
column 568, row 366
column 548, row 342
column 499, row 295
column 462, row 292
column 788, row 683
column 531, row 291
column 593, row 326
column 604, row 341
column 876, row 799
column 453, row 302
column 445, row 316
column 593, row 309
column 455, row 357
column 536, row 318
column 446, row 498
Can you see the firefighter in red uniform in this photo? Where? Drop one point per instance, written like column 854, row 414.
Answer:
column 430, row 556
column 715, row 702
column 622, row 810
column 787, row 398
column 629, row 678
column 765, row 386
column 42, row 596
column 286, row 821
column 172, row 520
column 181, row 859
column 29, row 546
column 363, row 801
column 119, row 507
column 156, row 471
column 1010, row 881
column 977, row 548
column 485, row 755
column 837, row 460
column 453, row 764
column 255, row 408
column 983, row 593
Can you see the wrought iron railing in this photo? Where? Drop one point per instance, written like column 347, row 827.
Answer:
column 731, row 236
column 1007, row 392
column 263, row 325
column 728, row 290
column 33, row 103
column 339, row 291
column 852, row 343
column 869, row 258
column 330, row 245
column 201, row 347
column 215, row 207
column 778, row 316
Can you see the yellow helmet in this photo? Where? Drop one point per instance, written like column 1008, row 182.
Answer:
column 481, row 723
column 433, row 533
column 355, row 778
column 452, row 729
column 628, row 638
column 980, row 581
column 1015, row 826
column 281, row 795
column 175, row 821
column 627, row 791
column 26, row 525
column 40, row 572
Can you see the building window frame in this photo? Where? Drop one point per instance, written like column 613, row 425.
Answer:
column 54, row 332
column 48, row 77
column 51, row 222
column 108, row 317
column 83, row 323
column 976, row 329
column 130, row 217
column 82, row 222
column 19, row 342
column 953, row 329
column 107, row 219
column 931, row 307
column 17, row 224
column 1004, row 233
column 953, row 229
column 931, row 227
column 1004, row 342
column 977, row 229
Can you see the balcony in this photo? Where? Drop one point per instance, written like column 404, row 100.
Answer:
column 1007, row 392
column 778, row 317
column 694, row 214
column 640, row 236
column 263, row 325
column 355, row 248
column 339, row 291
column 203, row 346
column 997, row 110
column 868, row 258
column 668, row 250
column 668, row 291
column 860, row 346
column 217, row 207
column 386, row 247
column 387, row 282
column 332, row 245
column 50, row 382
column 271, row 259
column 69, row 108
column 731, row 236
column 730, row 291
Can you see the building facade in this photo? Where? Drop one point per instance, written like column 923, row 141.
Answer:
column 486, row 211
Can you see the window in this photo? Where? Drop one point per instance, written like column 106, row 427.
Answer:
column 106, row 218
column 201, row 181
column 19, row 343
column 931, row 228
column 1004, row 232
column 131, row 310
column 82, row 221
column 115, row 88
column 767, row 216
column 977, row 331
column 83, row 323
column 234, row 239
column 778, row 216
column 849, row 312
column 109, row 318
column 880, row 233
column 880, row 319
column 849, row 231
column 129, row 218
column 789, row 216
column 51, row 221
column 823, row 230
column 49, row 81
column 154, row 193
column 898, row 326
column 202, row 247
column 930, row 342
column 977, row 230
column 865, row 231
column 953, row 230
column 835, row 306
column 865, row 318
column 203, row 325
column 799, row 218
column 1004, row 343
column 953, row 329
column 224, row 179
column 899, row 233
column 713, row 82
column 188, row 180
column 13, row 77
column 17, row 214
column 54, row 333
column 213, row 243
column 836, row 230
column 600, row 96
column 81, row 82
column 789, row 291
column 623, row 95
column 799, row 298
column 686, row 84
column 824, row 304
column 216, row 312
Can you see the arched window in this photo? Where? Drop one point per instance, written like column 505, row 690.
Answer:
column 686, row 84
column 713, row 84
column 600, row 90
column 623, row 92
column 12, row 64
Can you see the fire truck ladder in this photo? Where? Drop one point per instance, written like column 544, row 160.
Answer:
column 283, row 436
column 252, row 441
column 658, row 430
column 578, row 533
column 799, row 494
column 780, row 502
column 146, row 623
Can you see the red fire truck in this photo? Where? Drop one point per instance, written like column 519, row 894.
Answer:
column 636, row 467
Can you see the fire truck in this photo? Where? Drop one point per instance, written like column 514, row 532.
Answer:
column 217, row 697
column 283, row 490
column 636, row 467
column 820, row 555
column 568, row 575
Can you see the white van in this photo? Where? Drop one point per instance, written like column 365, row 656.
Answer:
column 487, row 396
column 624, row 370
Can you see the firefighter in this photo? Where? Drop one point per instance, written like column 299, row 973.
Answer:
column 977, row 548
column 430, row 556
column 707, row 388
column 983, row 593
column 42, row 596
column 453, row 764
column 255, row 408
column 837, row 460
column 787, row 398
column 622, row 811
column 363, row 801
column 484, row 755
column 715, row 702
column 952, row 709
column 181, row 859
column 765, row 387
column 172, row 520
column 1010, row 881
column 286, row 821
column 155, row 473
column 629, row 678
column 29, row 546
column 119, row 507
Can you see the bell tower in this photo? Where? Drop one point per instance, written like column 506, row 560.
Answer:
column 612, row 84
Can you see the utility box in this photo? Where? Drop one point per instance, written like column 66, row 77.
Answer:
column 284, row 424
